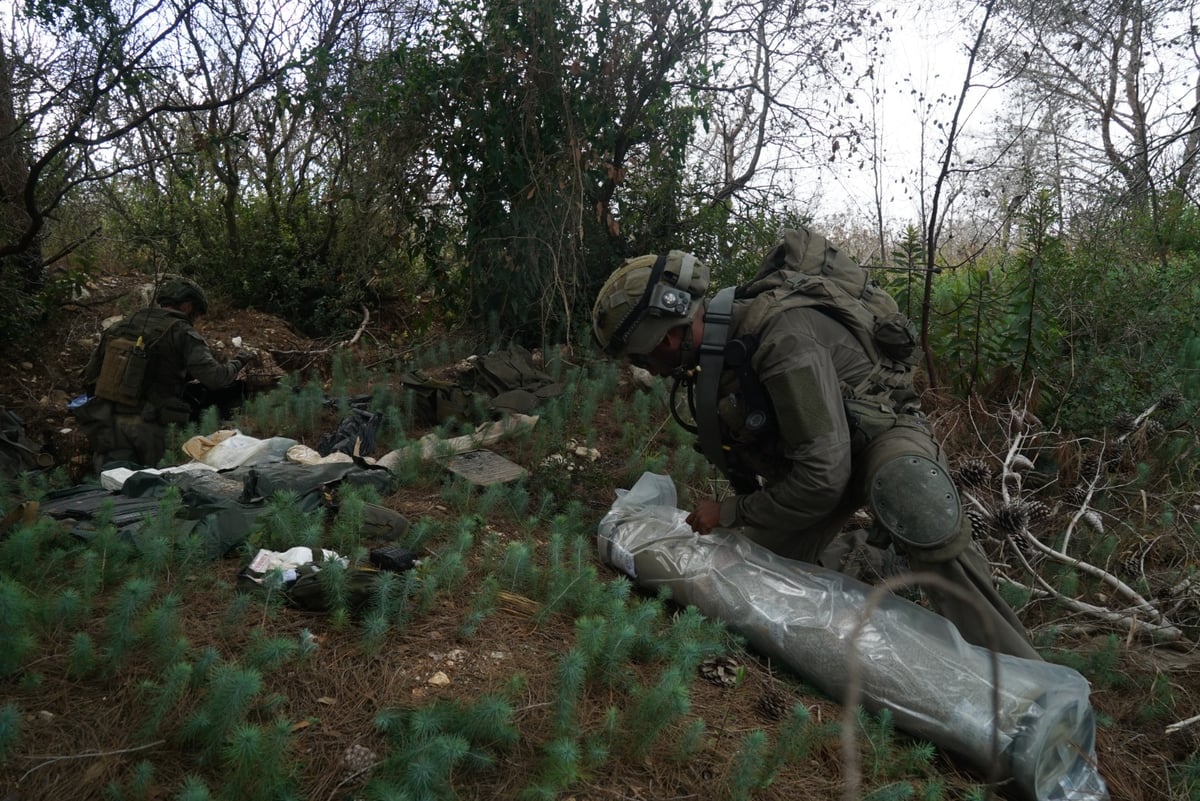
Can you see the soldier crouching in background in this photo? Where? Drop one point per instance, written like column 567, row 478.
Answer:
column 138, row 375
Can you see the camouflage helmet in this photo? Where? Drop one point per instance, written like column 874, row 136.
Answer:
column 645, row 298
column 176, row 290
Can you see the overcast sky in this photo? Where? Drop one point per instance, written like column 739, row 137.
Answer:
column 926, row 56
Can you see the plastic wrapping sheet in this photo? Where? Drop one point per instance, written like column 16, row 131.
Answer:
column 911, row 661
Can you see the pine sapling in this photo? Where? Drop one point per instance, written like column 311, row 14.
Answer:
column 269, row 654
column 385, row 605
column 204, row 667
column 231, row 688
column 139, row 787
column 518, row 571
column 933, row 790
column 10, row 729
column 487, row 724
column 798, row 738
column 571, row 674
column 256, row 762
column 81, row 656
column 156, row 538
column 483, row 605
column 234, row 617
column 690, row 742
column 16, row 626
column 163, row 630
column 66, row 610
column 164, row 696
column 746, row 772
column 122, row 631
column 558, row 769
column 655, row 708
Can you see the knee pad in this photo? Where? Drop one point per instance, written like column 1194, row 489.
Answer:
column 913, row 498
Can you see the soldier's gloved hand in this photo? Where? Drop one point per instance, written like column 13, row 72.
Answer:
column 248, row 358
column 705, row 517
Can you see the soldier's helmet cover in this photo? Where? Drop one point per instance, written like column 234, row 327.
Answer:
column 176, row 290
column 644, row 298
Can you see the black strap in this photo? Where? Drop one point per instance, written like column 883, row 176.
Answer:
column 621, row 334
column 717, row 318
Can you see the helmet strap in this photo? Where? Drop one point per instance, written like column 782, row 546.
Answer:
column 687, row 361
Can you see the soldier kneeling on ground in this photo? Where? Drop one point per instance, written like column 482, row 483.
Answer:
column 137, row 377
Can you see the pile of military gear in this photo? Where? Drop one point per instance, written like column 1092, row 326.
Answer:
column 498, row 383
column 303, row 577
column 18, row 452
column 220, row 509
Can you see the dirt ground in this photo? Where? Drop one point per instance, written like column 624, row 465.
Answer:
column 76, row 730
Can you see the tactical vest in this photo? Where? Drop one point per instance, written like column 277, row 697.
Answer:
column 138, row 360
column 806, row 271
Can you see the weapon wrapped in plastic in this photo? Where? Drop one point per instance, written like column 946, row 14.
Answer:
column 911, row 660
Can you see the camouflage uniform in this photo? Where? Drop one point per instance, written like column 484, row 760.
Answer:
column 816, row 465
column 176, row 351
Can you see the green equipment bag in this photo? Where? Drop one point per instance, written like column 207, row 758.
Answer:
column 808, row 264
column 435, row 401
column 512, row 369
column 314, row 592
column 18, row 452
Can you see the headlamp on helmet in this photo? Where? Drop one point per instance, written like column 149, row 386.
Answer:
column 644, row 298
column 668, row 301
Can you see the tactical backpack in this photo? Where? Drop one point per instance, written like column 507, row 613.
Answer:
column 125, row 371
column 805, row 270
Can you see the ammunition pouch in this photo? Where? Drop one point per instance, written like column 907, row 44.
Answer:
column 122, row 377
column 174, row 411
column 868, row 420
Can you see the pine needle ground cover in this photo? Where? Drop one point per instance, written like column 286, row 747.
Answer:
column 510, row 663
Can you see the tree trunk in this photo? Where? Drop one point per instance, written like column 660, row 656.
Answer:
column 25, row 266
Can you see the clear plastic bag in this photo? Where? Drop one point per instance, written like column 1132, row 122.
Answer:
column 910, row 660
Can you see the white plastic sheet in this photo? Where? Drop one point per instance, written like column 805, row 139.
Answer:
column 911, row 661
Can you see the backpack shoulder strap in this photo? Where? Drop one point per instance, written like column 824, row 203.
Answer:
column 717, row 318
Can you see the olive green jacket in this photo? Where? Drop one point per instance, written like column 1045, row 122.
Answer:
column 802, row 360
column 177, row 352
